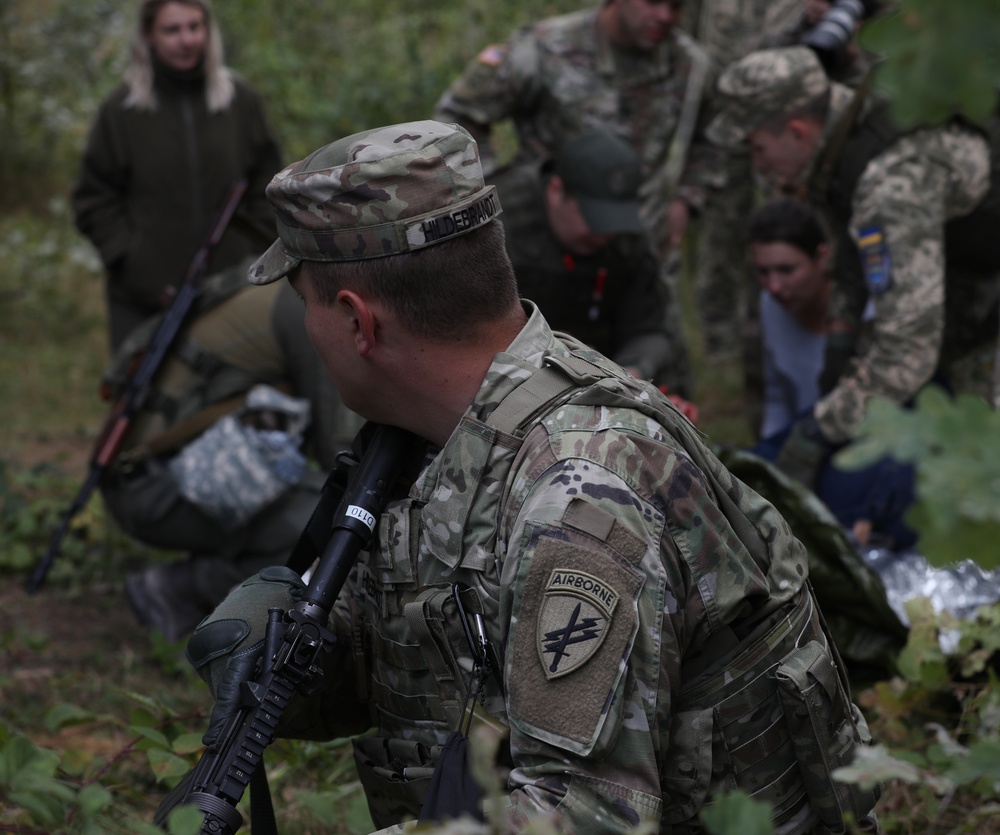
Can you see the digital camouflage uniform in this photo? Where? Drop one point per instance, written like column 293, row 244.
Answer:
column 561, row 76
column 654, row 634
column 728, row 30
column 889, row 218
column 613, row 300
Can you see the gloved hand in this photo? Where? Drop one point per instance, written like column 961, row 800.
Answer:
column 804, row 452
column 226, row 647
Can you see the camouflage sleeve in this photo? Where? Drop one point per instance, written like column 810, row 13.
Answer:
column 598, row 600
column 898, row 216
column 705, row 163
column 789, row 35
column 730, row 29
column 495, row 85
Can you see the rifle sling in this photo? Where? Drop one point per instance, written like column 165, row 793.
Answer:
column 262, row 818
column 316, row 534
column 830, row 155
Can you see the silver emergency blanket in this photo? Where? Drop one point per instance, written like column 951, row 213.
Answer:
column 234, row 469
column 959, row 589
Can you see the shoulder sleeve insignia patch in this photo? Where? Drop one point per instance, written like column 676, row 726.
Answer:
column 875, row 259
column 571, row 638
column 493, row 55
column 574, row 618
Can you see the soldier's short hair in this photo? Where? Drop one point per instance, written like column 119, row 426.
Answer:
column 444, row 293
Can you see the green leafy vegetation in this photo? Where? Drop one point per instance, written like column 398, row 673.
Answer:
column 940, row 59
column 957, row 444
column 944, row 766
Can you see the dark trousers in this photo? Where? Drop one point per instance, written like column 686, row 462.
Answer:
column 149, row 507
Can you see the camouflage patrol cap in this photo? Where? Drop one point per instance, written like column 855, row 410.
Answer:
column 602, row 173
column 380, row 192
column 762, row 87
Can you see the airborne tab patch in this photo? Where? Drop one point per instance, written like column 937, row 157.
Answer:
column 573, row 620
column 875, row 259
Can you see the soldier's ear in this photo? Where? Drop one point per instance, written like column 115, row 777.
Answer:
column 361, row 318
column 824, row 257
column 803, row 130
column 556, row 189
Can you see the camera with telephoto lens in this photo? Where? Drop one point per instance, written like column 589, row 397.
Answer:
column 829, row 38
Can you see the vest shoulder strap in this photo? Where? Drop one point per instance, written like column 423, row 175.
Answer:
column 556, row 380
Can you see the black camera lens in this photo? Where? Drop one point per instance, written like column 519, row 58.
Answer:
column 830, row 36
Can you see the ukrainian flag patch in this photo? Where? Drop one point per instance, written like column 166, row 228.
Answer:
column 875, row 259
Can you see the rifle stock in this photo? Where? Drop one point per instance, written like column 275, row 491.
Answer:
column 139, row 384
column 295, row 642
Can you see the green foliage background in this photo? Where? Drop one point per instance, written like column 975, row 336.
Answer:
column 941, row 58
column 324, row 71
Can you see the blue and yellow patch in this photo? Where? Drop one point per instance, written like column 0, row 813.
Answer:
column 876, row 260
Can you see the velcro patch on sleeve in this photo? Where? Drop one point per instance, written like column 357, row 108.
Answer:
column 875, row 259
column 576, row 623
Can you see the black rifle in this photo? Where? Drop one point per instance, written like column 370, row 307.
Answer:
column 296, row 640
column 139, row 385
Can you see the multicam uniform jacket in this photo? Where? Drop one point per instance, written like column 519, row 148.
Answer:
column 894, row 206
column 730, row 29
column 616, row 564
column 561, row 76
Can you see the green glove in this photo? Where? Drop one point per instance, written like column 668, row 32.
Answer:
column 804, row 452
column 226, row 647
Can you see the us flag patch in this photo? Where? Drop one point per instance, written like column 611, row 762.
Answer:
column 492, row 56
